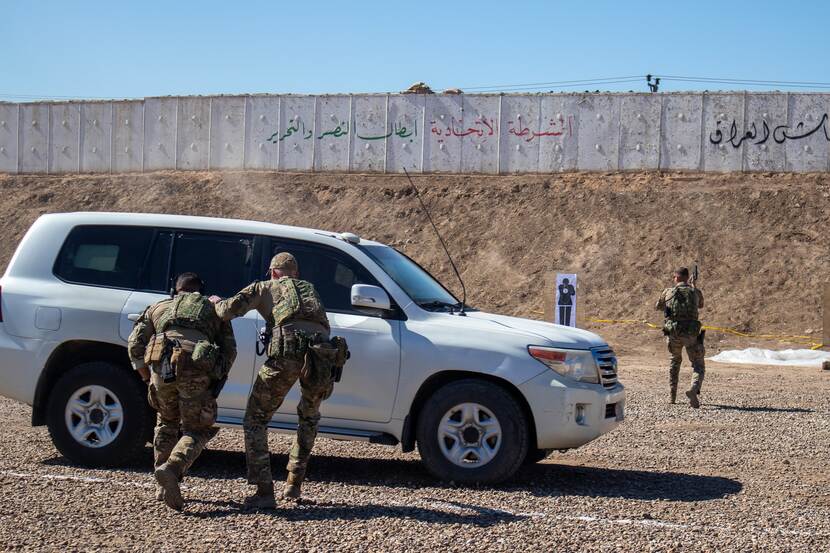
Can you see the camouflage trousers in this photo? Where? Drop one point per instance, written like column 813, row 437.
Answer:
column 695, row 351
column 274, row 380
column 185, row 404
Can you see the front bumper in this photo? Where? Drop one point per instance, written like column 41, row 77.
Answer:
column 570, row 416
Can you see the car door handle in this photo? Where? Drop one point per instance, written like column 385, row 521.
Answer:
column 134, row 316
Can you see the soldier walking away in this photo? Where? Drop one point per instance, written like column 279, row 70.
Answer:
column 184, row 351
column 680, row 305
column 298, row 347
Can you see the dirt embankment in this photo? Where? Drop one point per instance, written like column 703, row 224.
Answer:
column 761, row 239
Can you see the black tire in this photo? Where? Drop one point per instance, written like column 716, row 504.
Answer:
column 535, row 455
column 137, row 416
column 514, row 431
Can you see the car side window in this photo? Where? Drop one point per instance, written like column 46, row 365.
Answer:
column 331, row 272
column 154, row 274
column 104, row 255
column 223, row 261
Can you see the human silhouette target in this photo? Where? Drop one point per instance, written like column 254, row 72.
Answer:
column 565, row 299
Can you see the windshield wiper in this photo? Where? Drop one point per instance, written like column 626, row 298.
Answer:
column 433, row 304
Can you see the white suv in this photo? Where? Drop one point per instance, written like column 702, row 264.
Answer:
column 479, row 393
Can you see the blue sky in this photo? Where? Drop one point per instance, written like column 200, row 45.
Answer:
column 115, row 49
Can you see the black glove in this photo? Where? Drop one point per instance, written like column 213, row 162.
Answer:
column 216, row 389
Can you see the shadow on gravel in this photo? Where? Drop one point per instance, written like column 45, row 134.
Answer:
column 542, row 479
column 546, row 479
column 751, row 409
column 460, row 513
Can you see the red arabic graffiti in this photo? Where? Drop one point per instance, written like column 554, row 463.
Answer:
column 483, row 127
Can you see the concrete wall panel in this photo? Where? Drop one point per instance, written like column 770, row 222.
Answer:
column 33, row 135
column 160, row 115
column 640, row 131
column 331, row 138
column 408, row 111
column 559, row 118
column 227, row 132
column 193, row 133
column 599, row 132
column 680, row 130
column 96, row 137
column 374, row 133
column 519, row 134
column 764, row 155
column 442, row 145
column 808, row 133
column 296, row 138
column 128, row 136
column 9, row 117
column 480, row 127
column 64, row 137
column 721, row 150
column 262, row 132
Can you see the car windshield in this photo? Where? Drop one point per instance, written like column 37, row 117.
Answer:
column 419, row 285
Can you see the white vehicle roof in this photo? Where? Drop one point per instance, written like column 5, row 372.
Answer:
column 199, row 223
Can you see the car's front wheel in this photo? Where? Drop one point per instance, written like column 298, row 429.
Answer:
column 97, row 415
column 472, row 431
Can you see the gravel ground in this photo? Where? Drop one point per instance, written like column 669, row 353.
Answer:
column 746, row 472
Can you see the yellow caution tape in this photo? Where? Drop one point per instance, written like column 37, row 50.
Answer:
column 793, row 338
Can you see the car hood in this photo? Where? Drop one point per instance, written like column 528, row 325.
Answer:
column 558, row 335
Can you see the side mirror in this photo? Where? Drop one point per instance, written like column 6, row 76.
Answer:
column 374, row 297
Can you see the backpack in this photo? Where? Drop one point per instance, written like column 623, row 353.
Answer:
column 681, row 312
column 191, row 310
column 300, row 301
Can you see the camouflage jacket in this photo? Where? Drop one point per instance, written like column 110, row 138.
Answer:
column 263, row 296
column 147, row 325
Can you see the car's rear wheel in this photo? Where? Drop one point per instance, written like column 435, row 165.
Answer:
column 97, row 415
column 472, row 431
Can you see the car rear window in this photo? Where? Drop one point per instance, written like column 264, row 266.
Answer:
column 104, row 255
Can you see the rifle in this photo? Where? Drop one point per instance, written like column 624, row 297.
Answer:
column 695, row 274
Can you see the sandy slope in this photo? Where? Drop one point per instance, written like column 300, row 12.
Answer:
column 760, row 239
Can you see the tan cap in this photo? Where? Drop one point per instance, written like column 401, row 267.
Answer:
column 284, row 261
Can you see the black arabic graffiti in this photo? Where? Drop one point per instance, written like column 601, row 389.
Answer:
column 779, row 134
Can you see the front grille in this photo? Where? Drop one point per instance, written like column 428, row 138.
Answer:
column 611, row 411
column 607, row 363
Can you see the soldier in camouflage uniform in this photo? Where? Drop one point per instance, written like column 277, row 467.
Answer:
column 296, row 320
column 682, row 328
column 182, row 339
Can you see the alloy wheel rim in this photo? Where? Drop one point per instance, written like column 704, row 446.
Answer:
column 94, row 416
column 469, row 435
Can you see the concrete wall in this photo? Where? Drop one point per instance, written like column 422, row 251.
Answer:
column 468, row 133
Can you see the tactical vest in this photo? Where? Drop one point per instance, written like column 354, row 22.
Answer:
column 681, row 312
column 681, row 304
column 299, row 301
column 191, row 310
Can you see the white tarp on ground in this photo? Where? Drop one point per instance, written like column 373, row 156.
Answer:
column 786, row 357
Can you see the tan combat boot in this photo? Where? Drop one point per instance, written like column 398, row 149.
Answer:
column 693, row 400
column 159, row 492
column 168, row 480
column 291, row 490
column 263, row 498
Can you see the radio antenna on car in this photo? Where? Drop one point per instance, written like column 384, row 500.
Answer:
column 443, row 244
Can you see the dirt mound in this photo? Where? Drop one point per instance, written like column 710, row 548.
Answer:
column 760, row 239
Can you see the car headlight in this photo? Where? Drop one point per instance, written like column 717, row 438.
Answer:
column 575, row 364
